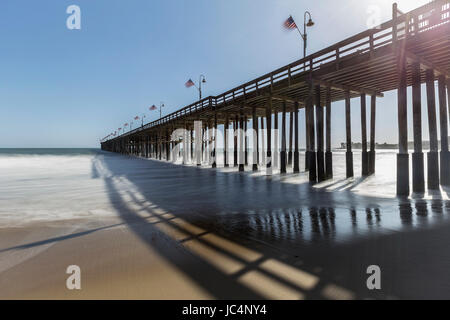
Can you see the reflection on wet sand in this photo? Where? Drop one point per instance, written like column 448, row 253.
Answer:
column 199, row 232
column 256, row 232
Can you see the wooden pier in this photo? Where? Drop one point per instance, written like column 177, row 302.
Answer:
column 410, row 49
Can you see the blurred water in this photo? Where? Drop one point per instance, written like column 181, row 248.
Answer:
column 49, row 184
column 52, row 185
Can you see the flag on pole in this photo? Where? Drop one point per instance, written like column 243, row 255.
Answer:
column 189, row 83
column 125, row 125
column 136, row 118
column 290, row 23
column 153, row 107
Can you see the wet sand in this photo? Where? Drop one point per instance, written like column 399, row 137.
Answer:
column 182, row 232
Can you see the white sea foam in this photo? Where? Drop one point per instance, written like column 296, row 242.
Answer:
column 51, row 187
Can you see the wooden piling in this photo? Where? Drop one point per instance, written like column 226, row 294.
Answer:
column 291, row 129
column 283, row 140
column 241, row 139
column 418, row 179
column 296, row 163
column 348, row 127
column 307, row 139
column 275, row 140
column 364, row 153
column 373, row 106
column 402, row 156
column 245, row 141
column 443, row 120
column 269, row 136
column 214, row 152
column 198, row 142
column 320, row 158
column 328, row 153
column 235, row 139
column 263, row 151
column 225, row 141
column 309, row 115
column 255, row 140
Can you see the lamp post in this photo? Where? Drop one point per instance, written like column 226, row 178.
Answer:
column 310, row 23
column 201, row 79
column 290, row 24
column 161, row 105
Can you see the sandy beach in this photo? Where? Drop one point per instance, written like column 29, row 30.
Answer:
column 145, row 229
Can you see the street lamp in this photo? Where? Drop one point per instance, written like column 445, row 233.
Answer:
column 161, row 105
column 190, row 83
column 310, row 23
column 290, row 24
column 201, row 80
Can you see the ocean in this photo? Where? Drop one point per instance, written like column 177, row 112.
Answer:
column 52, row 185
column 141, row 228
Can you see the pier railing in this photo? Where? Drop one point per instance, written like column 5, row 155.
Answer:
column 401, row 27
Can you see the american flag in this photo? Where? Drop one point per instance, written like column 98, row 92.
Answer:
column 125, row 125
column 290, row 23
column 189, row 83
column 136, row 118
column 153, row 107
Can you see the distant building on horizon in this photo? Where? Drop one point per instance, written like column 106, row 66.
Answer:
column 385, row 145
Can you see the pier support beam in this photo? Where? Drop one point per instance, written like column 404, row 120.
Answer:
column 328, row 153
column 160, row 146
column 283, row 140
column 291, row 129
column 245, row 141
column 320, row 138
column 167, row 145
column 192, row 144
column 433, row 154
column 418, row 179
column 235, row 135
column 364, row 153
column 198, row 142
column 402, row 156
column 275, row 140
column 296, row 163
column 307, row 139
column 443, row 117
column 185, row 144
column 309, row 115
column 225, row 140
column 214, row 152
column 448, row 97
column 255, row 140
column 263, row 151
column 269, row 137
column 203, row 143
column 373, row 106
column 208, row 145
column 348, row 130
column 241, row 139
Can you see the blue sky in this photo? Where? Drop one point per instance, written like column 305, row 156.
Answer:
column 69, row 88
